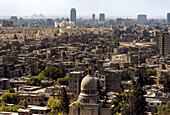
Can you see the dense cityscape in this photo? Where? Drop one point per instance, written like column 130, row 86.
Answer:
column 78, row 66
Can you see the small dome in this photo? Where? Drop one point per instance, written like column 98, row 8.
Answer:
column 88, row 83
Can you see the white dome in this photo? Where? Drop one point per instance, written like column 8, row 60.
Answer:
column 88, row 83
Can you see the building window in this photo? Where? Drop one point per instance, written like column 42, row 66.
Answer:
column 86, row 92
column 157, row 103
column 75, row 91
column 28, row 100
column 70, row 86
column 75, row 86
column 151, row 103
column 75, row 80
column 86, row 100
column 35, row 99
column 71, row 91
column 70, row 80
column 92, row 92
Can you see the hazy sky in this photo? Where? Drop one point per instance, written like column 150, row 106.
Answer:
column 153, row 8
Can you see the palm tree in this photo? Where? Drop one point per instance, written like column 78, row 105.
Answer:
column 79, row 106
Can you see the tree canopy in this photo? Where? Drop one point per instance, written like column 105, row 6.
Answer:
column 164, row 109
column 11, row 109
column 150, row 72
column 65, row 101
column 34, row 81
column 99, row 90
column 50, row 73
column 8, row 97
column 130, row 103
column 54, row 105
column 165, row 80
column 11, row 90
column 62, row 81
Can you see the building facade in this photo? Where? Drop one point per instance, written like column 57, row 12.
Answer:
column 168, row 18
column 73, row 15
column 75, row 79
column 142, row 18
column 164, row 42
column 102, row 17
column 93, row 18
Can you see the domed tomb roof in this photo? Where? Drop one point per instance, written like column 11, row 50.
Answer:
column 88, row 83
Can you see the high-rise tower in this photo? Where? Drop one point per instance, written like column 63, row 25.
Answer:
column 102, row 17
column 168, row 17
column 164, row 42
column 93, row 18
column 73, row 15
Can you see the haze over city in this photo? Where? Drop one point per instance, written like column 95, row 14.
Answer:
column 60, row 8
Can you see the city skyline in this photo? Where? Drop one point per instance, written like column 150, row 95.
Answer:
column 112, row 8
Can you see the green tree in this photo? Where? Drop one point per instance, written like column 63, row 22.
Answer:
column 136, row 101
column 118, row 102
column 164, row 109
column 150, row 72
column 8, row 97
column 117, row 44
column 11, row 90
column 1, row 102
column 130, row 103
column 5, row 108
column 62, row 81
column 11, row 109
column 165, row 80
column 50, row 73
column 65, row 101
column 34, row 81
column 54, row 105
column 99, row 90
column 16, row 107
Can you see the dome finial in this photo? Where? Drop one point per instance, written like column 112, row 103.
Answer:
column 89, row 70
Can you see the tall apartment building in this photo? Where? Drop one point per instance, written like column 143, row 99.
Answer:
column 168, row 18
column 73, row 15
column 164, row 44
column 50, row 22
column 142, row 18
column 93, row 18
column 102, row 17
column 119, row 21
column 75, row 79
column 14, row 19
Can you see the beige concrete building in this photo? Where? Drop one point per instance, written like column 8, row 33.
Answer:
column 75, row 79
column 164, row 44
column 91, row 105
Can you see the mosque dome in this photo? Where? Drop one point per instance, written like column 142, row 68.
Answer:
column 88, row 83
